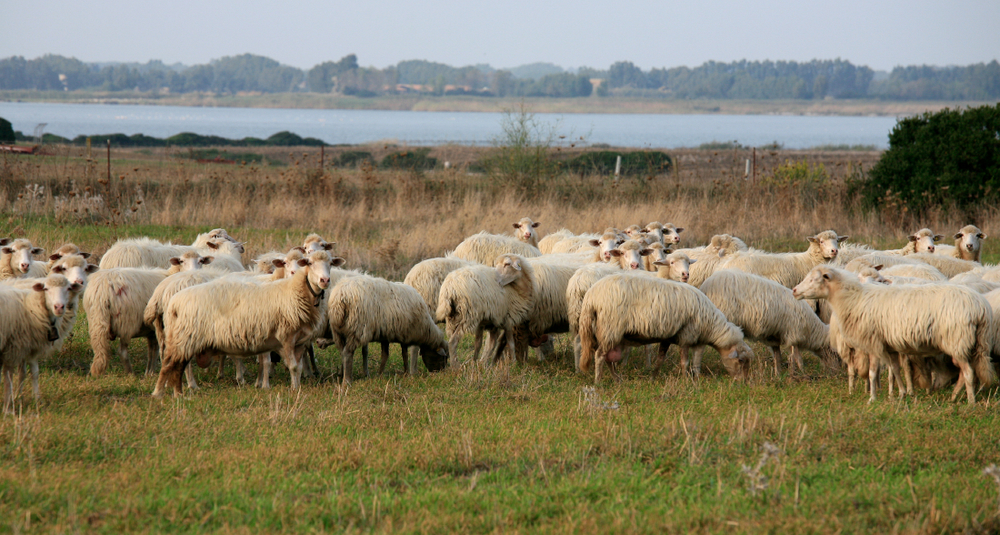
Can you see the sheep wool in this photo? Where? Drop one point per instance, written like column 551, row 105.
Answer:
column 484, row 248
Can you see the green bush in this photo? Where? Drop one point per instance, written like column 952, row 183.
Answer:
column 414, row 160
column 636, row 163
column 354, row 158
column 948, row 159
column 6, row 131
column 121, row 140
column 798, row 174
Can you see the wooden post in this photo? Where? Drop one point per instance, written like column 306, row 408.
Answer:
column 618, row 168
column 321, row 156
column 109, row 160
column 753, row 169
column 89, row 154
column 746, row 174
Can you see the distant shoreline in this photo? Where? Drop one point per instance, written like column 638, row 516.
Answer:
column 481, row 104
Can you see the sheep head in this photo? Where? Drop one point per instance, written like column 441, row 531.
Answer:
column 525, row 229
column 923, row 240
column 675, row 267
column 827, row 243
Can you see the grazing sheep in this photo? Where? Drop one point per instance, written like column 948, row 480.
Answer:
column 576, row 289
column 29, row 324
column 921, row 241
column 426, row 278
column 229, row 317
column 146, row 252
column 768, row 312
column 16, row 261
column 484, row 248
column 475, row 298
column 526, row 231
column 968, row 242
column 918, row 321
column 625, row 309
column 365, row 309
column 947, row 265
column 787, row 269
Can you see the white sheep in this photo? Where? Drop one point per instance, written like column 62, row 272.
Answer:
column 426, row 278
column 711, row 256
column 315, row 242
column 669, row 234
column 365, row 309
column 947, row 265
column 525, row 231
column 921, row 241
column 65, row 250
column 16, row 261
column 975, row 282
column 658, row 253
column 476, row 298
column 787, row 269
column 230, row 317
column 484, row 248
column 850, row 251
column 880, row 259
column 968, row 242
column 675, row 267
column 546, row 244
column 919, row 321
column 146, row 252
column 29, row 324
column 917, row 271
column 768, row 312
column 625, row 309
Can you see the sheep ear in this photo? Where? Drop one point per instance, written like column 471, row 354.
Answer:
column 4, row 241
column 938, row 237
column 337, row 261
column 299, row 249
column 842, row 238
column 6, row 250
column 38, row 287
column 878, row 267
column 175, row 261
column 75, row 287
column 535, row 224
column 303, row 262
column 958, row 236
column 812, row 239
column 59, row 269
column 55, row 256
column 328, row 246
column 517, row 225
column 692, row 261
column 912, row 237
column 277, row 262
column 37, row 250
column 887, row 281
column 680, row 229
column 85, row 255
column 206, row 260
column 660, row 263
column 982, row 236
column 826, row 276
column 645, row 252
column 212, row 245
column 91, row 268
column 595, row 243
column 615, row 252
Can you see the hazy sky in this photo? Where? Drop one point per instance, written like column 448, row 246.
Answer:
column 650, row 33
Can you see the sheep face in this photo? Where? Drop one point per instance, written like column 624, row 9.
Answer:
column 655, row 229
column 58, row 293
column 525, row 229
column 634, row 231
column 75, row 268
column 291, row 264
column 435, row 358
column 816, row 285
column 828, row 243
column 191, row 261
column 676, row 267
column 20, row 252
column 608, row 242
column 226, row 246
column 671, row 234
column 658, row 252
column 220, row 234
column 923, row 240
column 508, row 269
column 318, row 265
column 872, row 275
column 969, row 239
column 630, row 254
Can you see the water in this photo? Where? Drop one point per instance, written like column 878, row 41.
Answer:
column 438, row 128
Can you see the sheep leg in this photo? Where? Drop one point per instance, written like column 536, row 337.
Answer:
column 240, row 371
column 894, row 375
column 907, row 366
column 968, row 376
column 776, row 353
column 123, row 354
column 264, row 371
column 310, row 364
column 453, row 338
column 347, row 361
column 410, row 359
column 661, row 356
column 511, row 345
column 872, row 380
column 684, row 360
column 364, row 359
column 152, row 349
column 696, row 361
column 222, row 365
column 599, row 359
column 477, row 345
column 577, row 350
column 189, row 374
column 100, row 341
column 385, row 357
column 8, row 391
column 851, row 372
column 796, row 357
column 293, row 359
column 650, row 352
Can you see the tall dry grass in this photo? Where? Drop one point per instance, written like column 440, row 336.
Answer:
column 386, row 220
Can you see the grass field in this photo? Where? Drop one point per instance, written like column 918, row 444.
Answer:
column 511, row 448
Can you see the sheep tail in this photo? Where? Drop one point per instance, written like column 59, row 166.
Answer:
column 986, row 374
column 99, row 328
column 588, row 340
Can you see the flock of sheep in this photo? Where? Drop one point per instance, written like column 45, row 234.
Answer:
column 926, row 312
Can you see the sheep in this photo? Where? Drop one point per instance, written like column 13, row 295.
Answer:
column 484, row 248
column 264, row 263
column 668, row 234
column 16, row 261
column 947, row 265
column 975, row 282
column 366, row 309
column 115, row 303
column 920, row 321
column 475, row 298
column 768, row 312
column 880, row 259
column 921, row 241
column 65, row 250
column 675, row 267
column 628, row 310
column 146, row 252
column 918, row 271
column 710, row 256
column 658, row 252
column 548, row 314
column 968, row 242
column 609, row 241
column 850, row 251
column 546, row 244
column 315, row 242
column 229, row 317
column 787, row 269
column 29, row 324
column 526, row 231
column 426, row 278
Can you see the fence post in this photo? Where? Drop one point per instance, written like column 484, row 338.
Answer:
column 618, row 168
column 109, row 160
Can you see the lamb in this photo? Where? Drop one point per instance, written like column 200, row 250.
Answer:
column 629, row 310
column 921, row 241
column 115, row 303
column 146, row 252
column 229, row 317
column 16, row 261
column 484, row 248
column 919, row 321
column 947, row 265
column 29, row 325
column 768, row 312
column 968, row 242
column 426, row 278
column 366, row 309
column 526, row 231
column 788, row 269
column 475, row 298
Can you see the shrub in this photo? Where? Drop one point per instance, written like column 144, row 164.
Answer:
column 413, row 160
column 520, row 158
column 354, row 158
column 948, row 159
column 6, row 131
column 798, row 174
column 288, row 139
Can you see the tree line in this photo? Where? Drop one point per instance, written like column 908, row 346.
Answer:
column 815, row 79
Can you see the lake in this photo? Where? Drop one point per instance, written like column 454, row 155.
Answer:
column 439, row 128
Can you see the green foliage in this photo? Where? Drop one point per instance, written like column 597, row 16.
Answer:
column 52, row 139
column 121, row 140
column 798, row 174
column 223, row 155
column 946, row 159
column 520, row 158
column 355, row 158
column 636, row 163
column 6, row 131
column 288, row 139
column 413, row 160
column 323, row 77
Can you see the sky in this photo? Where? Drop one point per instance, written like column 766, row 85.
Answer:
column 571, row 34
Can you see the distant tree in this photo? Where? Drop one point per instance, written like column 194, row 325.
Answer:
column 6, row 131
column 626, row 74
column 320, row 78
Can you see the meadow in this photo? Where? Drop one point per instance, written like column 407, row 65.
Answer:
column 508, row 448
